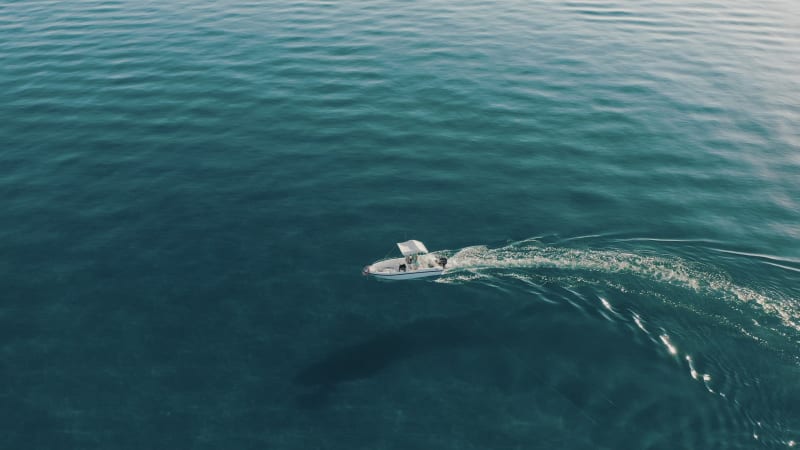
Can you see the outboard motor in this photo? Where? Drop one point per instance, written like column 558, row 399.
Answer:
column 442, row 261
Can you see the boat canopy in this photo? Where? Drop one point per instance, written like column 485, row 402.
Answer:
column 412, row 247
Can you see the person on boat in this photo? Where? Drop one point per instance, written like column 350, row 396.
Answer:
column 406, row 266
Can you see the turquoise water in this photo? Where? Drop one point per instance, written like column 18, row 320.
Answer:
column 190, row 190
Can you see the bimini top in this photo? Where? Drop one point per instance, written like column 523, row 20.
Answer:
column 411, row 247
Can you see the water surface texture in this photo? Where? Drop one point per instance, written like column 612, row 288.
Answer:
column 190, row 189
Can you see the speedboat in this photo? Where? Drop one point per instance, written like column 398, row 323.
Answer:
column 416, row 262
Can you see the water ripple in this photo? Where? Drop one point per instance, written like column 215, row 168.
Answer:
column 154, row 152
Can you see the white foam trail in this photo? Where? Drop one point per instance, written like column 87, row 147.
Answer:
column 530, row 254
column 668, row 344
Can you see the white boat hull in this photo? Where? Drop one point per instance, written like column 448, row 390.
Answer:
column 390, row 269
column 411, row 275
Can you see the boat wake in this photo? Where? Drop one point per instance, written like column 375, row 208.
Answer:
column 587, row 266
column 610, row 282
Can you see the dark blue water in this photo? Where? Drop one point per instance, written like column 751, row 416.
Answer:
column 190, row 189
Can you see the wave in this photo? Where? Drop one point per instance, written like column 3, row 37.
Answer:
column 480, row 262
column 556, row 273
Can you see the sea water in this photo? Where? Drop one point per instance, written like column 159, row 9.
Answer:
column 190, row 189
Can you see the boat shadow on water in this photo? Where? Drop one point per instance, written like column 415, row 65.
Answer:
column 367, row 358
column 522, row 344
